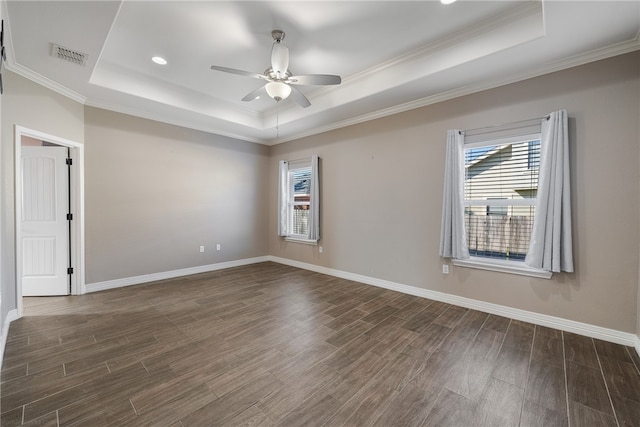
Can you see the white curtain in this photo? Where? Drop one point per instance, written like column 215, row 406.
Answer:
column 314, row 215
column 550, row 248
column 453, row 242
column 283, row 201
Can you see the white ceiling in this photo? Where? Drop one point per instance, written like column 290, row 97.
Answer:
column 392, row 55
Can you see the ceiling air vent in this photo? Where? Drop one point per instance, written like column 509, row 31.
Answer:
column 68, row 55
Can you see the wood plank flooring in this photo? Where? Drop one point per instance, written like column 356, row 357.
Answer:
column 271, row 345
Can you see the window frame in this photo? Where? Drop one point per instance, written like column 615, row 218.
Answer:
column 512, row 266
column 287, row 202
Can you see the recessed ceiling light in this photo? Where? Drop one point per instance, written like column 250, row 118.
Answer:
column 447, row 1
column 159, row 60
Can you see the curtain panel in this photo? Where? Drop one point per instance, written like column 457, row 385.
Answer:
column 453, row 241
column 283, row 194
column 314, row 217
column 551, row 248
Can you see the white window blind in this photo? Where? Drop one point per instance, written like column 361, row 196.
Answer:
column 500, row 187
column 299, row 200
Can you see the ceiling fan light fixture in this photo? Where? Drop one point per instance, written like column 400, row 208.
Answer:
column 278, row 90
column 159, row 60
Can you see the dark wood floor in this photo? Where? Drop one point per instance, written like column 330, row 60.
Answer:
column 270, row 345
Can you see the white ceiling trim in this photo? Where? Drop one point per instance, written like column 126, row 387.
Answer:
column 390, row 87
column 148, row 88
column 596, row 55
column 511, row 28
column 119, row 108
column 574, row 61
column 27, row 73
column 43, row 81
column 12, row 66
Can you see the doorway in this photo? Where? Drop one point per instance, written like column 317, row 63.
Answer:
column 49, row 215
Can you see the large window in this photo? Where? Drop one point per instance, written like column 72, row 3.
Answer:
column 506, row 204
column 299, row 200
column 500, row 187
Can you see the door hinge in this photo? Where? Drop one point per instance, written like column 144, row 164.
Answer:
column 69, row 161
column 70, row 270
column 69, row 217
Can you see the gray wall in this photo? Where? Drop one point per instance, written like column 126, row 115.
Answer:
column 30, row 105
column 154, row 193
column 382, row 192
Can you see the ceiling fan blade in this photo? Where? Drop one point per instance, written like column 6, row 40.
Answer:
column 239, row 72
column 299, row 97
column 255, row 94
column 315, row 79
column 279, row 59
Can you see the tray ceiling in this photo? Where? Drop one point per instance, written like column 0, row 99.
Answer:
column 392, row 55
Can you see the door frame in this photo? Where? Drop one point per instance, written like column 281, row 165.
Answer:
column 76, row 195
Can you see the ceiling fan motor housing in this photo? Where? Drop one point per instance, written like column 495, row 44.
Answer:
column 278, row 35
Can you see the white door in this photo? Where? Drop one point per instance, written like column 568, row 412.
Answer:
column 45, row 229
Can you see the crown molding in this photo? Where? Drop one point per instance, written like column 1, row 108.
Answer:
column 522, row 11
column 116, row 108
column 29, row 74
column 566, row 63
column 44, row 81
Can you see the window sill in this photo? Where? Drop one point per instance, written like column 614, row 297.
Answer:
column 301, row 240
column 512, row 267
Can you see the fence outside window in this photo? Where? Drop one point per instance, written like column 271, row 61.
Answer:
column 498, row 236
column 301, row 220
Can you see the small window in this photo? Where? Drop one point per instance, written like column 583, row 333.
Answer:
column 298, row 204
column 299, row 201
column 500, row 187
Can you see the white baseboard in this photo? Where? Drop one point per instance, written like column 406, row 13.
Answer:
column 11, row 316
column 146, row 278
column 580, row 328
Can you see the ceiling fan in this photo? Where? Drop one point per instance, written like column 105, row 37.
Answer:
column 280, row 80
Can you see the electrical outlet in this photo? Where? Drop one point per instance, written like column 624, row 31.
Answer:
column 445, row 269
column 320, row 249
column 201, row 248
column 218, row 247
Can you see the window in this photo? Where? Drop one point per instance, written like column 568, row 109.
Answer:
column 299, row 183
column 500, row 187
column 506, row 204
column 299, row 200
